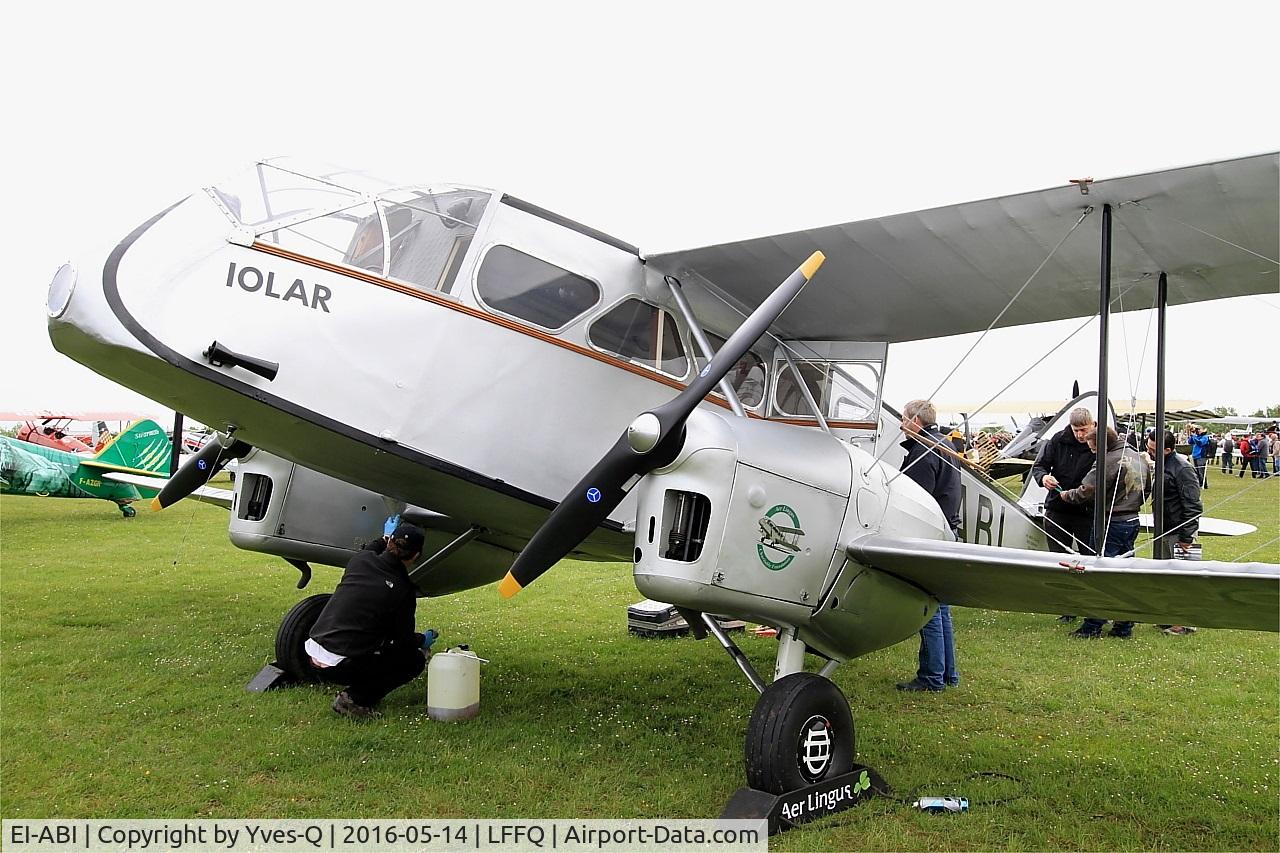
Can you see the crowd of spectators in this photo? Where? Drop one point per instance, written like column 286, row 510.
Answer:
column 1256, row 454
column 1065, row 468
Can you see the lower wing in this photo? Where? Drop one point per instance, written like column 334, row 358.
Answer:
column 207, row 494
column 1206, row 593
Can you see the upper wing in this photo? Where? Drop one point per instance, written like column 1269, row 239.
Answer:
column 1214, row 228
column 1210, row 594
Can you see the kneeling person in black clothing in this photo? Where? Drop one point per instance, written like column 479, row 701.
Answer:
column 364, row 638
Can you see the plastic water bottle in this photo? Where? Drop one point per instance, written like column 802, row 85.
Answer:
column 942, row 804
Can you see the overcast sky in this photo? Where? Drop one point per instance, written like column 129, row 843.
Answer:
column 666, row 124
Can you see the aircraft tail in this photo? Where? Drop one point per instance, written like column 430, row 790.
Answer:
column 143, row 448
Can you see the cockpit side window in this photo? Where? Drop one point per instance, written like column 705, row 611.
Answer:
column 844, row 390
column 642, row 333
column 747, row 377
column 512, row 282
column 429, row 233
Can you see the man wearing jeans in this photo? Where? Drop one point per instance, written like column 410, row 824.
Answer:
column 1127, row 485
column 932, row 464
column 1260, row 457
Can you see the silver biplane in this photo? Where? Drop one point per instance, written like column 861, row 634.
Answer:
column 462, row 356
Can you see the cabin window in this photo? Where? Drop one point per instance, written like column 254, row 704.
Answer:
column 747, row 378
column 643, row 333
column 511, row 282
column 844, row 390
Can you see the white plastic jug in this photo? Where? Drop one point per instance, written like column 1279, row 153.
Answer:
column 453, row 685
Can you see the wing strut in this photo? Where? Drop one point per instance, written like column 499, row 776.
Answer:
column 804, row 388
column 1101, row 519
column 1157, row 496
column 700, row 338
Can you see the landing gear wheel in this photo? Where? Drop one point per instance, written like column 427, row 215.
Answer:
column 128, row 511
column 800, row 733
column 292, row 636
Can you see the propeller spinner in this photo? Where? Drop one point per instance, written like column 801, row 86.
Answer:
column 652, row 440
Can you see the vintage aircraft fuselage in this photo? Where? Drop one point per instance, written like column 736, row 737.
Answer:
column 463, row 351
column 491, row 414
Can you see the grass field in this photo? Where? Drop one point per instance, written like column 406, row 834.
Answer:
column 125, row 647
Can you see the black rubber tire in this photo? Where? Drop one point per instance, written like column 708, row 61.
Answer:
column 778, row 723
column 292, row 635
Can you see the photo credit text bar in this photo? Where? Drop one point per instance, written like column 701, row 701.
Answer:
column 385, row 836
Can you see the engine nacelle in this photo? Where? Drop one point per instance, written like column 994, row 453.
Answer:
column 752, row 519
column 299, row 514
column 293, row 512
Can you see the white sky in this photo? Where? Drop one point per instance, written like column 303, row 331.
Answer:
column 666, row 124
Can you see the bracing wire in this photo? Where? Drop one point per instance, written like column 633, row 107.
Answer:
column 791, row 349
column 1009, row 305
column 1032, row 367
column 930, row 446
column 1100, row 547
column 1202, row 231
column 1270, row 541
column 1205, row 511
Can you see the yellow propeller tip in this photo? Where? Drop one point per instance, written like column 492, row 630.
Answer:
column 809, row 267
column 156, row 506
column 508, row 586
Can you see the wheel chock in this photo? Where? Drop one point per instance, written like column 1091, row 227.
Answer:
column 270, row 677
column 811, row 802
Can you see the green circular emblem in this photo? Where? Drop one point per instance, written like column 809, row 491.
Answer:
column 780, row 536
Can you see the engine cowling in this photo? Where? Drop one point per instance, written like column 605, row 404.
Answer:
column 752, row 518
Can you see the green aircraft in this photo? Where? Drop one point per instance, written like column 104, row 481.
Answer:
column 140, row 450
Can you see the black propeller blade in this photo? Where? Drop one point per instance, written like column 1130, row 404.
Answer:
column 198, row 470
column 652, row 440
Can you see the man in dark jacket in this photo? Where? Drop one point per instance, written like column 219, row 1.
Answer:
column 931, row 463
column 1182, row 507
column 1060, row 467
column 365, row 638
column 1128, row 484
column 1261, row 447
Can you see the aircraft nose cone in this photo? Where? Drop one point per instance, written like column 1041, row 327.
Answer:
column 60, row 290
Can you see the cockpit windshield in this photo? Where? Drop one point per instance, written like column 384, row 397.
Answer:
column 415, row 234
